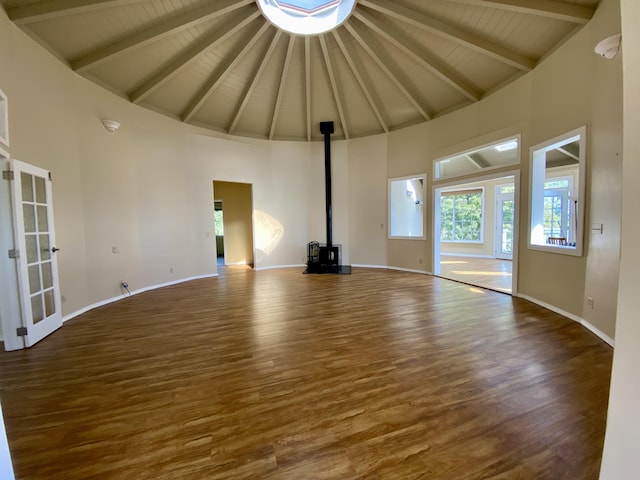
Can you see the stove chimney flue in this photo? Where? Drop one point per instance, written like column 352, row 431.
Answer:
column 326, row 129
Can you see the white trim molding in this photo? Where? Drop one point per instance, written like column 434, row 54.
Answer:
column 471, row 255
column 604, row 337
column 134, row 292
column 275, row 267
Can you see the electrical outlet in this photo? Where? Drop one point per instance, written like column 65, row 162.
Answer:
column 590, row 302
column 124, row 285
column 170, row 269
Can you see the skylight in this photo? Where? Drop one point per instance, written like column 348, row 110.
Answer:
column 306, row 17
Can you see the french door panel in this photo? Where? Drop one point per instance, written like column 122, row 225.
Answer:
column 35, row 241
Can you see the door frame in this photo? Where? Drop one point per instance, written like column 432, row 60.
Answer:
column 435, row 196
column 252, row 238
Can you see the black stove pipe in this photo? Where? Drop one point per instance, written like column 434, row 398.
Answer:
column 326, row 128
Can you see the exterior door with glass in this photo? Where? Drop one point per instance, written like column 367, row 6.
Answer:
column 35, row 252
column 504, row 223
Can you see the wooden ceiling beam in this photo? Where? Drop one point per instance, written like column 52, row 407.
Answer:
column 334, row 85
column 283, row 79
column 231, row 60
column 36, row 12
column 393, row 36
column 454, row 34
column 157, row 32
column 189, row 56
column 387, row 71
column 356, row 73
column 543, row 8
column 256, row 78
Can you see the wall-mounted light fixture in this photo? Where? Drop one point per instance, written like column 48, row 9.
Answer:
column 110, row 126
column 609, row 47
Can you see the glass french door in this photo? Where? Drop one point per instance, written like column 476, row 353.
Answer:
column 36, row 252
column 504, row 225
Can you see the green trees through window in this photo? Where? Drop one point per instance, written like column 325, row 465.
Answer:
column 461, row 216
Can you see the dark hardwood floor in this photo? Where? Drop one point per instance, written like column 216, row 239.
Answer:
column 279, row 375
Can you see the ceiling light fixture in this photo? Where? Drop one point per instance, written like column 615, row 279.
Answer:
column 110, row 126
column 306, row 17
column 609, row 47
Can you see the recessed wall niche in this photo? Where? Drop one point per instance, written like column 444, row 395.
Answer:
column 4, row 120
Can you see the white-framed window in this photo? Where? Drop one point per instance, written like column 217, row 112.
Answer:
column 406, row 207
column 557, row 193
column 462, row 215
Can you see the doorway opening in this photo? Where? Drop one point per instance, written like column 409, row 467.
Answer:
column 233, row 217
column 219, row 231
column 476, row 231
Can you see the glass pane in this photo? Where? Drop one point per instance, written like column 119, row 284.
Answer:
column 219, row 222
column 41, row 193
column 34, row 278
column 27, row 187
column 37, row 312
column 557, row 177
column 47, row 276
column 32, row 248
column 45, row 250
column 29, row 217
column 461, row 217
column 446, row 218
column 507, row 226
column 43, row 224
column 49, row 303
column 494, row 156
column 406, row 202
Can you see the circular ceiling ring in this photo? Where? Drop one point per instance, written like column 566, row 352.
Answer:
column 306, row 17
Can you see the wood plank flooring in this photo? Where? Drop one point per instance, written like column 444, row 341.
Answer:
column 278, row 375
column 490, row 273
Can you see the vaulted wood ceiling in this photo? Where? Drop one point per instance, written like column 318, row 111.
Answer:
column 221, row 65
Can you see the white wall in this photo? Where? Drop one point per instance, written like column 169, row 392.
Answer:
column 147, row 189
column 367, row 200
column 570, row 88
column 6, row 469
column 621, row 458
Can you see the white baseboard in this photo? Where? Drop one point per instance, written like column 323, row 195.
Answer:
column 274, row 267
column 133, row 292
column 472, row 255
column 598, row 333
column 604, row 337
column 387, row 267
column 421, row 272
